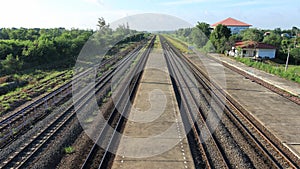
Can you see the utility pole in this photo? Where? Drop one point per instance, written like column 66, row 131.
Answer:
column 295, row 42
column 287, row 60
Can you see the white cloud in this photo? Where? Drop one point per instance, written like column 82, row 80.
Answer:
column 245, row 3
column 36, row 13
column 19, row 13
column 256, row 2
column 95, row 2
column 152, row 22
column 182, row 2
column 85, row 13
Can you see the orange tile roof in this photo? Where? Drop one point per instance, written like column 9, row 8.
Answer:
column 231, row 22
column 252, row 44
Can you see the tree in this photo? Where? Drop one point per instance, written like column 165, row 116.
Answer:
column 285, row 45
column 295, row 53
column 273, row 39
column 231, row 41
column 222, row 31
column 12, row 64
column 219, row 38
column 4, row 33
column 122, row 30
column 184, row 32
column 295, row 31
column 209, row 47
column 5, row 49
column 198, row 37
column 252, row 34
column 277, row 31
column 101, row 23
column 204, row 27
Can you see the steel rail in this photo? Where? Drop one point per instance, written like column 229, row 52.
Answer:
column 238, row 114
column 191, row 102
column 108, row 123
column 46, row 134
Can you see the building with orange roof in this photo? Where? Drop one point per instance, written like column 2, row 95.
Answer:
column 253, row 49
column 234, row 25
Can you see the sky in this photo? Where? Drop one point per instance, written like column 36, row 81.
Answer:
column 84, row 14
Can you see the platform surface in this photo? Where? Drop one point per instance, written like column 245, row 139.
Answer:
column 280, row 115
column 154, row 136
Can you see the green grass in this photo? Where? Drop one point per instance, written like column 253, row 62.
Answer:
column 109, row 93
column 292, row 73
column 95, row 112
column 69, row 150
column 14, row 131
column 157, row 43
column 105, row 100
column 178, row 44
column 89, row 120
column 39, row 82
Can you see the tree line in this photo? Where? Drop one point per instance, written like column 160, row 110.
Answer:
column 221, row 39
column 22, row 48
column 25, row 48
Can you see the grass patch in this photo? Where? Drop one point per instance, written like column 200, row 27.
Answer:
column 69, row 150
column 95, row 113
column 105, row 100
column 14, row 131
column 178, row 44
column 157, row 43
column 89, row 120
column 39, row 82
column 292, row 73
column 109, row 93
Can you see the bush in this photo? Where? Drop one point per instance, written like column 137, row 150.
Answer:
column 7, row 87
column 12, row 64
column 69, row 150
column 293, row 73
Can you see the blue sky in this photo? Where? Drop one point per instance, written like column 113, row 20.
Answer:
column 84, row 13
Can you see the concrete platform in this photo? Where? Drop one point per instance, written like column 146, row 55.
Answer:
column 154, row 136
column 280, row 115
column 289, row 86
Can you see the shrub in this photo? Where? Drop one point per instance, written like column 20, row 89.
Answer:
column 69, row 150
column 291, row 74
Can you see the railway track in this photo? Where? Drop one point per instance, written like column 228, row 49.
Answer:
column 275, row 89
column 272, row 151
column 28, row 152
column 13, row 125
column 208, row 144
column 99, row 157
column 210, row 148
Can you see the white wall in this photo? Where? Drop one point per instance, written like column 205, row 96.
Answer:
column 270, row 53
column 267, row 53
